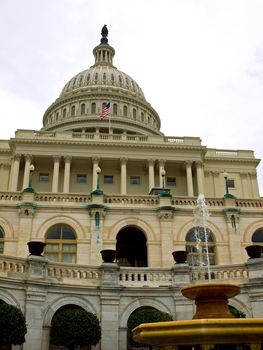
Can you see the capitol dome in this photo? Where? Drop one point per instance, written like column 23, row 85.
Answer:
column 83, row 97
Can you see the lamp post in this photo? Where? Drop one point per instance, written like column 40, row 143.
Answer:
column 225, row 174
column 163, row 177
column 98, row 171
column 31, row 169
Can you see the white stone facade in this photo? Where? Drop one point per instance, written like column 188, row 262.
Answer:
column 137, row 163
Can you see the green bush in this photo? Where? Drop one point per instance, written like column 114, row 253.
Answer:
column 144, row 315
column 12, row 325
column 75, row 327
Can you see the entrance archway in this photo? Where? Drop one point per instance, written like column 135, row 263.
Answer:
column 131, row 247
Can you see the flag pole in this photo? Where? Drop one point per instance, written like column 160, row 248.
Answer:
column 109, row 117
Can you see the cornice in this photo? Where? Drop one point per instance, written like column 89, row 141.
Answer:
column 110, row 143
column 231, row 159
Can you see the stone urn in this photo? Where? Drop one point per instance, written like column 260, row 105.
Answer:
column 180, row 256
column 36, row 247
column 254, row 251
column 108, row 255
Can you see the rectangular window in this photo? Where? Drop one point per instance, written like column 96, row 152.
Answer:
column 108, row 179
column 170, row 181
column 230, row 183
column 43, row 177
column 135, row 180
column 81, row 178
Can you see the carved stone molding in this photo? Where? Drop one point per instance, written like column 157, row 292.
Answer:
column 56, row 158
column 17, row 156
column 28, row 157
column 27, row 210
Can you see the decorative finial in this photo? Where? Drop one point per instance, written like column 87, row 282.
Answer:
column 104, row 34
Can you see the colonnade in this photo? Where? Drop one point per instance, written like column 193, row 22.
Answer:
column 154, row 167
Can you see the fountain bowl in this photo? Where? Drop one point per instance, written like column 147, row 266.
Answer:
column 211, row 299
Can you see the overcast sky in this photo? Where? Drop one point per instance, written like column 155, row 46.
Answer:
column 199, row 62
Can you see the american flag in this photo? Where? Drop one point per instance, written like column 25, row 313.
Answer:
column 105, row 111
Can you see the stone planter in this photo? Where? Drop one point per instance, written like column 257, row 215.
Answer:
column 254, row 251
column 108, row 255
column 36, row 247
column 180, row 256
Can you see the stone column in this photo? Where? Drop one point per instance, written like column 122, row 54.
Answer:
column 96, row 243
column 94, row 173
column 123, row 176
column 161, row 166
column 28, row 160
column 55, row 174
column 15, row 172
column 151, row 174
column 35, row 303
column 109, row 302
column 67, row 174
column 234, row 239
column 200, row 177
column 243, row 176
column 254, row 185
column 166, row 230
column 189, row 178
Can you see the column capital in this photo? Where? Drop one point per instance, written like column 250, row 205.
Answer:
column 67, row 159
column 161, row 162
column 17, row 156
column 150, row 162
column 199, row 163
column 28, row 157
column 188, row 163
column 95, row 160
column 123, row 160
column 56, row 158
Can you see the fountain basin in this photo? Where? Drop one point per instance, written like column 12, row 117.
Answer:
column 201, row 331
column 211, row 299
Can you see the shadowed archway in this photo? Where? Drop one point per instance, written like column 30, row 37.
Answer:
column 131, row 247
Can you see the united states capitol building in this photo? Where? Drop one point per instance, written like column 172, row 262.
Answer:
column 83, row 184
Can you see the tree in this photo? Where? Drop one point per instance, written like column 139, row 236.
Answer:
column 12, row 325
column 75, row 327
column 144, row 315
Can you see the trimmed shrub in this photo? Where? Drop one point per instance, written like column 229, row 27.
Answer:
column 75, row 327
column 12, row 325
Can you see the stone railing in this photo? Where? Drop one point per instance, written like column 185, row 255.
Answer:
column 75, row 274
column 11, row 196
column 126, row 276
column 130, row 276
column 132, row 200
column 9, row 264
column 221, row 273
column 52, row 197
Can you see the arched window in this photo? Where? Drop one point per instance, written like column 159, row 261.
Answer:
column 257, row 236
column 142, row 117
column 112, row 77
column 125, row 111
column 88, row 78
column 104, row 76
column 134, row 113
column 82, row 108
column 114, row 108
column 96, row 76
column 73, row 110
column 93, row 107
column 61, row 244
column 2, row 236
column 196, row 247
column 64, row 113
column 80, row 79
column 120, row 80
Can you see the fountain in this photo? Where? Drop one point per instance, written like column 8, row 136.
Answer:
column 212, row 326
